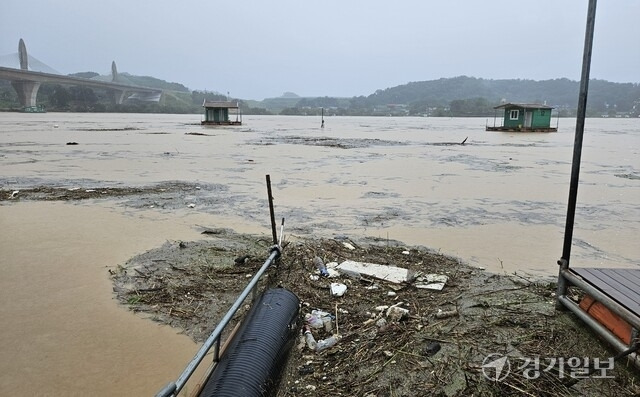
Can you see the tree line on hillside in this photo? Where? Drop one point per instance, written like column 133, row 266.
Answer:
column 604, row 97
column 458, row 97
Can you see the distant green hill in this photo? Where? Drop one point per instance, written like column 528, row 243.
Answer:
column 276, row 105
column 457, row 96
column 560, row 93
column 465, row 96
column 152, row 82
column 143, row 81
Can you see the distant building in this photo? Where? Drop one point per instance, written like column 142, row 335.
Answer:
column 218, row 112
column 529, row 117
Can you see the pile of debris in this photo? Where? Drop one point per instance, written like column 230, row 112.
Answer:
column 382, row 319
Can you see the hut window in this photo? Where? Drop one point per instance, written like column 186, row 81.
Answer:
column 514, row 114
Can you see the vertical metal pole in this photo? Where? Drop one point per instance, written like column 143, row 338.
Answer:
column 577, row 149
column 216, row 351
column 273, row 217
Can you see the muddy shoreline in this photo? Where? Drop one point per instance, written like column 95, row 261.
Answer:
column 189, row 285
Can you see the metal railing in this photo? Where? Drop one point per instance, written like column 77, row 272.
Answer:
column 174, row 388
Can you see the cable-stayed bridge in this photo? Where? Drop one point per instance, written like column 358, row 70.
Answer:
column 27, row 73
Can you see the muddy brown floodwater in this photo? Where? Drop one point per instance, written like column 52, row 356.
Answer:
column 131, row 183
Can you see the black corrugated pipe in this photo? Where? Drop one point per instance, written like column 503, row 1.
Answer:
column 252, row 363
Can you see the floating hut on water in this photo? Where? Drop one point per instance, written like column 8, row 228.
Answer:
column 524, row 117
column 217, row 113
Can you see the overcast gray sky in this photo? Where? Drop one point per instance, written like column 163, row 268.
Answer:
column 257, row 49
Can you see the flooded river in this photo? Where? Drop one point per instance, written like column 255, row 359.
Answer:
column 497, row 202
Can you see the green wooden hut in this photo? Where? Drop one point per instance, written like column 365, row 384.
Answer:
column 529, row 117
column 218, row 112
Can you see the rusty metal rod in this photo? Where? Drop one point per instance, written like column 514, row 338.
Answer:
column 273, row 217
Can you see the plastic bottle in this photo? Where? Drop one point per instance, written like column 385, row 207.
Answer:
column 311, row 341
column 327, row 343
column 320, row 266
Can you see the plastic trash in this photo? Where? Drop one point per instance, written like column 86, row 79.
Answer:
column 327, row 343
column 446, row 313
column 395, row 313
column 328, row 325
column 311, row 341
column 431, row 281
column 338, row 289
column 320, row 266
column 320, row 313
column 319, row 319
column 313, row 320
column 348, row 246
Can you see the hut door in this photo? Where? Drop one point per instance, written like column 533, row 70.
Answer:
column 528, row 117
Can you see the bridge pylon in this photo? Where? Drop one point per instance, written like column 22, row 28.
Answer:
column 118, row 96
column 27, row 91
column 23, row 56
column 114, row 72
